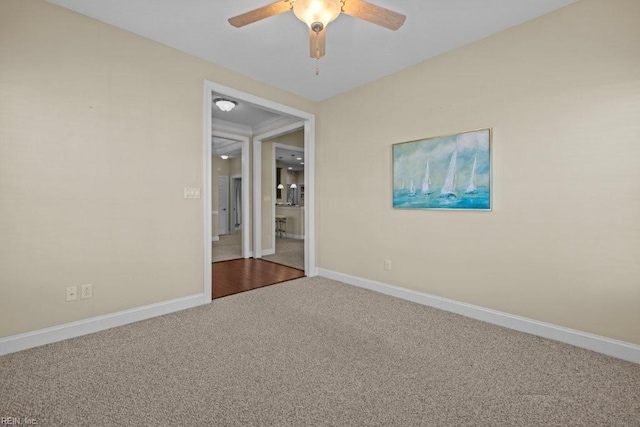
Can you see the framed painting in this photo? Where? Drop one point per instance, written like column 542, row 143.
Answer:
column 450, row 172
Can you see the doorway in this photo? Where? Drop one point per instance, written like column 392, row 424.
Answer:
column 230, row 229
column 287, row 230
column 276, row 126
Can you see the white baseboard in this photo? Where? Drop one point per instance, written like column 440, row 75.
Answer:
column 215, row 238
column 294, row 236
column 611, row 347
column 65, row 331
column 266, row 252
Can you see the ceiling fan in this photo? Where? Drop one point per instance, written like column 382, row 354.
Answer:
column 318, row 13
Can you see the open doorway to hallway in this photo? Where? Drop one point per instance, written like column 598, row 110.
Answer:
column 227, row 203
column 230, row 226
column 288, row 229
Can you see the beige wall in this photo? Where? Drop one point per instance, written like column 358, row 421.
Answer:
column 235, row 166
column 100, row 131
column 295, row 139
column 562, row 94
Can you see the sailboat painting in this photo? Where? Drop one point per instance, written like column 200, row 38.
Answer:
column 454, row 172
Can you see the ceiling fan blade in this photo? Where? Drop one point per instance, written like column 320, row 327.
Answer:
column 374, row 14
column 317, row 43
column 260, row 13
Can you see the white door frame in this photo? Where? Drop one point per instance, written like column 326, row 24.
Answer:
column 258, row 194
column 309, row 177
column 273, row 190
column 310, row 269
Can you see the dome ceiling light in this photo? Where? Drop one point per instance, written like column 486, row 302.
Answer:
column 225, row 104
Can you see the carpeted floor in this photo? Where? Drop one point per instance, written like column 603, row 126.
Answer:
column 317, row 352
column 288, row 252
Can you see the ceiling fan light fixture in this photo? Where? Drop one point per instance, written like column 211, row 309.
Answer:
column 224, row 104
column 313, row 11
column 317, row 14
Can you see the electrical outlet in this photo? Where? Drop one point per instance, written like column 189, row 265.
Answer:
column 387, row 265
column 191, row 193
column 86, row 291
column 72, row 293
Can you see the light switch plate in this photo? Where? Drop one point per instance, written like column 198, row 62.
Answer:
column 191, row 193
column 86, row 291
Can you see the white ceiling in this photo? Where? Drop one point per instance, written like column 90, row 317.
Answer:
column 245, row 114
column 254, row 118
column 289, row 158
column 276, row 50
column 227, row 146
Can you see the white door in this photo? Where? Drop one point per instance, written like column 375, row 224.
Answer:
column 223, row 205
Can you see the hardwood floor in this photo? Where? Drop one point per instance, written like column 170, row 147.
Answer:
column 239, row 275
